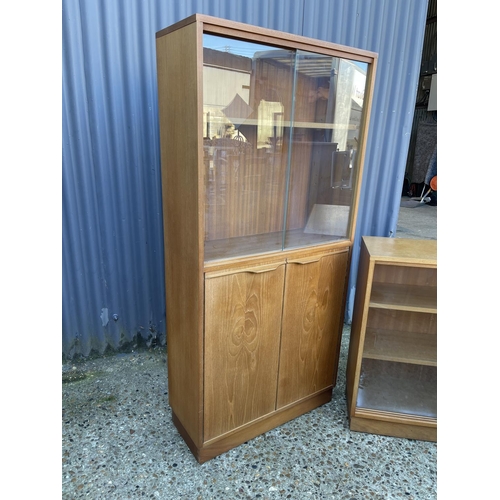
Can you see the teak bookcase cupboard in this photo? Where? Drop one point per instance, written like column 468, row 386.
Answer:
column 263, row 137
column 392, row 363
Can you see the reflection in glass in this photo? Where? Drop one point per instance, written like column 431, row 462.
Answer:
column 326, row 134
column 281, row 132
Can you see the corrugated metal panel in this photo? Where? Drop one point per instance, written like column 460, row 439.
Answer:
column 112, row 223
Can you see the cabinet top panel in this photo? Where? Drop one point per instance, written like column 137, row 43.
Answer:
column 401, row 250
column 215, row 25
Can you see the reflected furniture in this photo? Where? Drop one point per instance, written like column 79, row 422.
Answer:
column 392, row 362
column 263, row 138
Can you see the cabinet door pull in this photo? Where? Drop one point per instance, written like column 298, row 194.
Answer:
column 261, row 270
column 309, row 260
column 314, row 258
column 252, row 270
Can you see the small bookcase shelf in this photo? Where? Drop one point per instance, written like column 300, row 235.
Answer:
column 404, row 297
column 392, row 364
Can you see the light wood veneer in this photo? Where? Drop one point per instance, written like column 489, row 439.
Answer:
column 392, row 362
column 255, row 302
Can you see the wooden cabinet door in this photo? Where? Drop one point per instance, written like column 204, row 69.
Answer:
column 311, row 330
column 242, row 338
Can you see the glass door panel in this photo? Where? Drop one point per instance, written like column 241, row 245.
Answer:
column 329, row 94
column 281, row 133
column 247, row 100
column 398, row 387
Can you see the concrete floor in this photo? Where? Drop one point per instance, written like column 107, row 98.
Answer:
column 119, row 441
column 418, row 222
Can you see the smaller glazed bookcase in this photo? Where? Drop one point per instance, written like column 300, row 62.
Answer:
column 392, row 363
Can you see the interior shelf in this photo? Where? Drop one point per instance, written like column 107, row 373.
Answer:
column 307, row 125
column 263, row 243
column 404, row 297
column 400, row 346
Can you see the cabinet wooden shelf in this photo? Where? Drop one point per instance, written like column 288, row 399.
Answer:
column 392, row 363
column 262, row 150
column 232, row 248
column 404, row 297
column 402, row 346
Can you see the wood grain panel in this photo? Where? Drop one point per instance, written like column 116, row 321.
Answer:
column 264, row 35
column 402, row 251
column 404, row 297
column 312, row 322
column 405, row 275
column 234, row 438
column 358, row 327
column 178, row 101
column 410, row 321
column 242, row 337
column 396, row 429
column 403, row 346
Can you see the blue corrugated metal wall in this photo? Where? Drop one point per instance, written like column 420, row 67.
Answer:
column 112, row 209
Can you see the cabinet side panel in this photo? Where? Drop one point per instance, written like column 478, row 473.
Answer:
column 312, row 320
column 178, row 98
column 358, row 326
column 242, row 331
